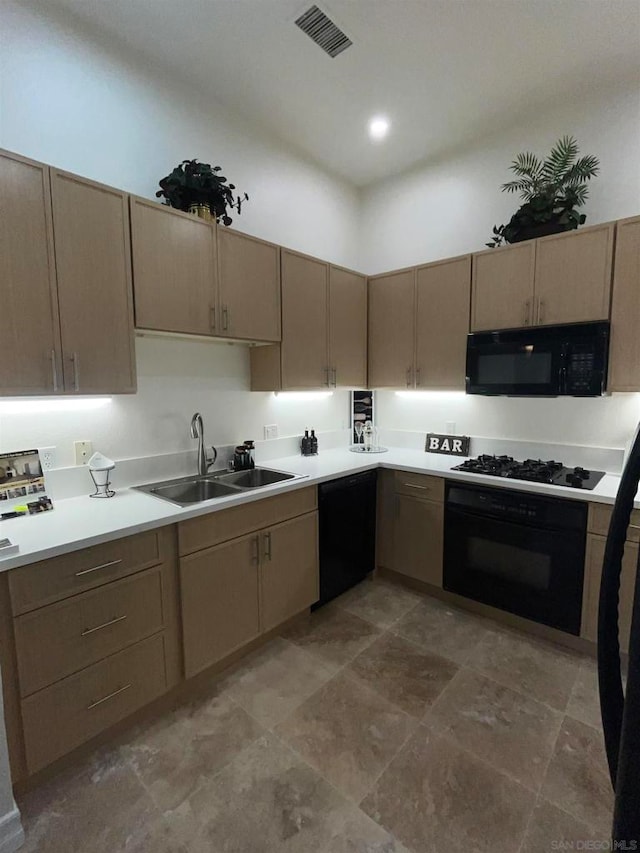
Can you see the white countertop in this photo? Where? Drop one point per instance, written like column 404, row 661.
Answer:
column 80, row 522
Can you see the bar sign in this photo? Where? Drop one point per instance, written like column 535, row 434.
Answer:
column 453, row 445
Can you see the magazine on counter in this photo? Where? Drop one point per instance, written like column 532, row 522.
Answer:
column 22, row 486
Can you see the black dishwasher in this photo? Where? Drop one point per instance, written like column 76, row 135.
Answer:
column 347, row 509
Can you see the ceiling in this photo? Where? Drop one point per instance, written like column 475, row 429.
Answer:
column 444, row 71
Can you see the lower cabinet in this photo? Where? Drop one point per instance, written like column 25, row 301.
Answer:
column 234, row 589
column 592, row 576
column 417, row 539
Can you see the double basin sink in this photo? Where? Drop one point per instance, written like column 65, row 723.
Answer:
column 185, row 491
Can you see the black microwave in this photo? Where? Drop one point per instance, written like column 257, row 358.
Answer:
column 543, row 361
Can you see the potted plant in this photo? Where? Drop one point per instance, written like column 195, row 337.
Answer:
column 552, row 189
column 198, row 185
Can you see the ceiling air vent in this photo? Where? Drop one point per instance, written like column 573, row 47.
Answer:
column 323, row 31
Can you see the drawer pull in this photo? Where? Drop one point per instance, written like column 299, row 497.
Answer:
column 634, row 527
column 267, row 546
column 106, row 698
column 115, row 621
column 97, row 568
column 415, row 486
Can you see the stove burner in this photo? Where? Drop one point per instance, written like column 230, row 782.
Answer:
column 533, row 470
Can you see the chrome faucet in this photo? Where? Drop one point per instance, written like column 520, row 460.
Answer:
column 197, row 431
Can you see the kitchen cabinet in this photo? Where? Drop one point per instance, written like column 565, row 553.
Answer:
column 593, row 574
column 245, row 570
column 249, row 279
column 502, row 287
column 29, row 323
column 93, row 264
column 442, row 323
column 67, row 263
column 624, row 352
column 392, row 303
column 562, row 278
column 418, row 539
column 220, row 601
column 174, row 270
column 324, row 323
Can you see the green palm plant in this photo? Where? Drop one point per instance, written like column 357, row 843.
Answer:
column 552, row 189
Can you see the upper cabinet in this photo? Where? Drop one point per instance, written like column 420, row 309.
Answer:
column 324, row 329
column 93, row 263
column 174, row 270
column 624, row 354
column 249, row 277
column 66, row 271
column 563, row 278
column 29, row 326
column 418, row 326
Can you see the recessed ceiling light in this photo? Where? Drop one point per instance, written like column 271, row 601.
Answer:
column 378, row 127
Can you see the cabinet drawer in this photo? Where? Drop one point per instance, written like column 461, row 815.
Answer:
column 600, row 516
column 50, row 580
column 55, row 641
column 208, row 530
column 419, row 486
column 65, row 715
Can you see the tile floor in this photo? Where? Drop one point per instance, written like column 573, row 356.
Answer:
column 384, row 723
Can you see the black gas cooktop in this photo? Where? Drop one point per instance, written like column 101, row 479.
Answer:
column 534, row 470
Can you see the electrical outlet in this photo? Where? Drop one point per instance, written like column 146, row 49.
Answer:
column 450, row 426
column 271, row 431
column 83, row 451
column 47, row 458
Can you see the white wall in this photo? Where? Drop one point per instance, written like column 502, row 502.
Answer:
column 449, row 207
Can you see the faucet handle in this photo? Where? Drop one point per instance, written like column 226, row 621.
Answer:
column 211, row 463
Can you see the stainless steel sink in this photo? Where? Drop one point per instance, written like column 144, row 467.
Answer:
column 185, row 491
column 255, row 478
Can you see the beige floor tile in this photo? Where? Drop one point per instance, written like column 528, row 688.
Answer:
column 348, row 733
column 538, row 670
column 94, row 807
column 176, row 754
column 404, row 673
column 513, row 733
column 360, row 834
column 271, row 683
column 435, row 797
column 442, row 630
column 550, row 829
column 379, row 602
column 333, row 634
column 265, row 801
column 584, row 702
column 577, row 780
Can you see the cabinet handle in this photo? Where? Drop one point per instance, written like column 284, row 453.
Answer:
column 541, row 311
column 527, row 311
column 267, row 546
column 54, row 371
column 76, row 371
column 255, row 547
column 415, row 486
column 114, row 621
column 634, row 527
column 417, row 377
column 325, row 370
column 212, row 317
column 409, row 371
column 225, row 318
column 97, row 568
column 334, row 373
column 106, row 698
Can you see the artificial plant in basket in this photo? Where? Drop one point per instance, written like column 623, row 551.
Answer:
column 193, row 183
column 552, row 189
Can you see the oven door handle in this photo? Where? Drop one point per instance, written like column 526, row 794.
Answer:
column 452, row 509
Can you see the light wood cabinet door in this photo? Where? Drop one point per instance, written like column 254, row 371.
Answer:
column 624, row 352
column 249, row 279
column 502, row 287
column 347, row 328
column 220, row 601
column 174, row 271
column 573, row 276
column 29, row 325
column 418, row 539
column 442, row 323
column 93, row 262
column 392, row 330
column 304, row 322
column 289, row 571
column 593, row 575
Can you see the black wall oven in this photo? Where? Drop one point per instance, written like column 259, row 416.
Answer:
column 520, row 552
column 546, row 361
